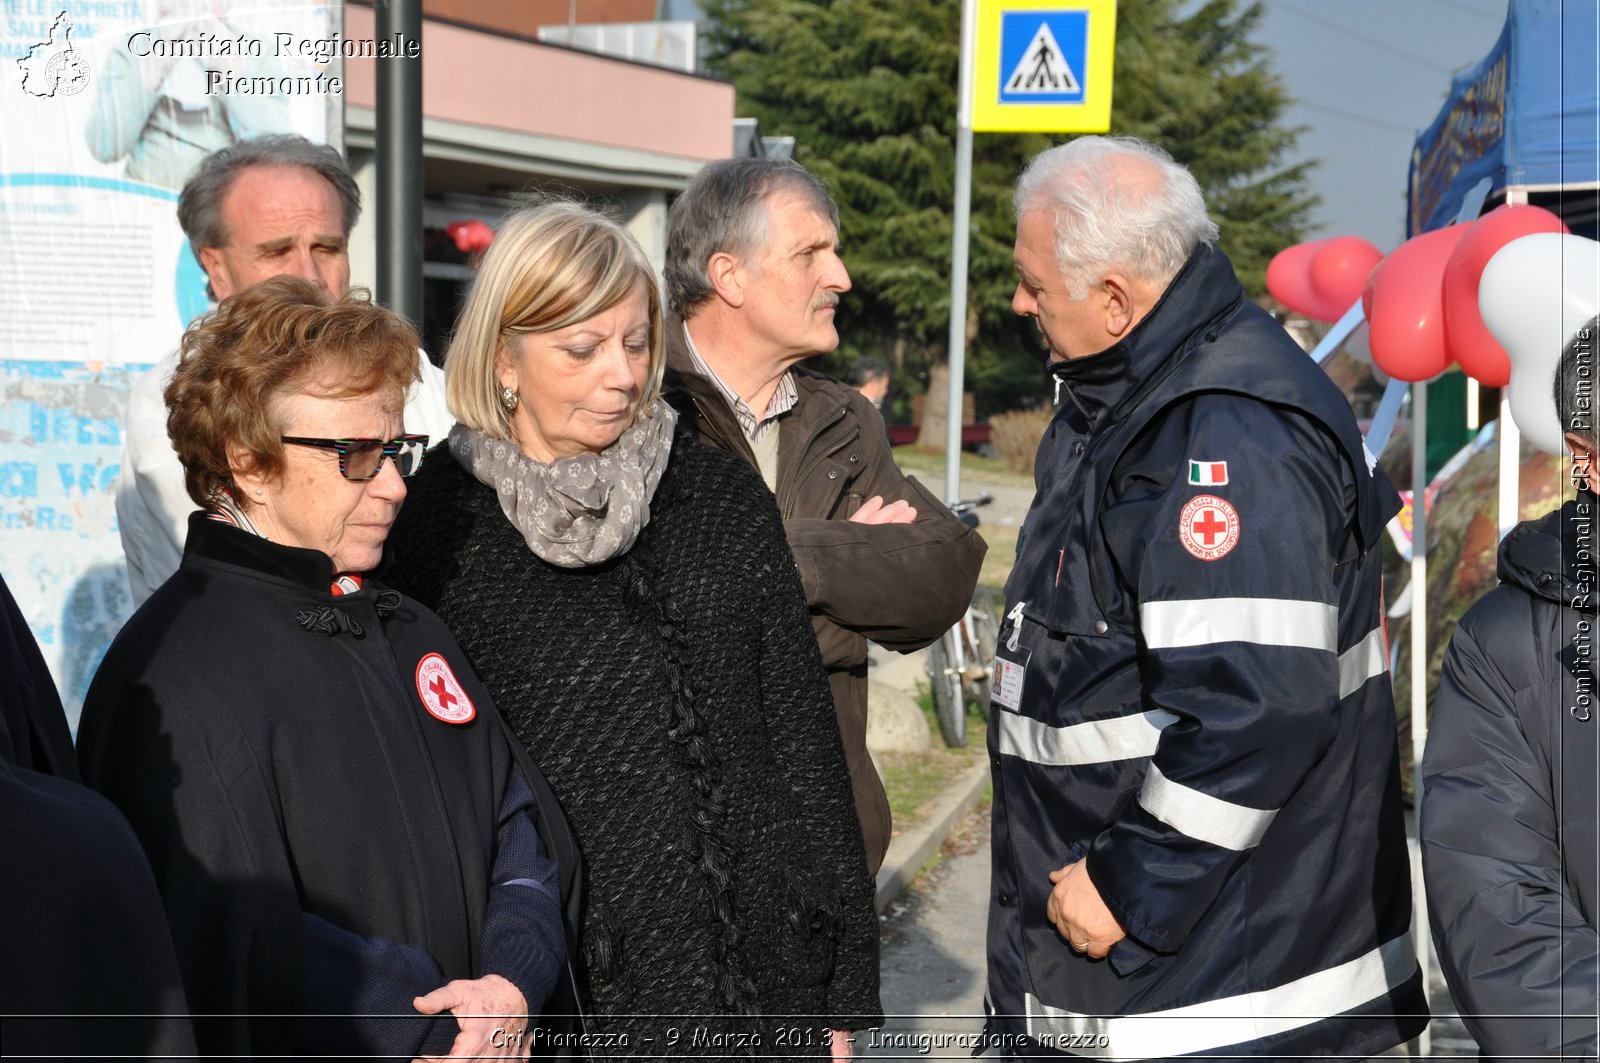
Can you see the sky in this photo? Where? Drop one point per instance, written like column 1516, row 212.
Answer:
column 1366, row 75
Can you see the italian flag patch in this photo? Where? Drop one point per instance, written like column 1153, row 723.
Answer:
column 1208, row 473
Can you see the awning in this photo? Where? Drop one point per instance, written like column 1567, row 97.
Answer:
column 1525, row 116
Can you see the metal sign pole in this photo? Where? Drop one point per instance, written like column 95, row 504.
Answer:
column 960, row 221
column 399, row 143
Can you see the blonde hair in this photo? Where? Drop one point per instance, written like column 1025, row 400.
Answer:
column 549, row 267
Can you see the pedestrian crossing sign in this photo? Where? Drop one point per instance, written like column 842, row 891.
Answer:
column 1043, row 66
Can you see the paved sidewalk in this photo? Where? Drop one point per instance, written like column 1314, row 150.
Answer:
column 911, row 847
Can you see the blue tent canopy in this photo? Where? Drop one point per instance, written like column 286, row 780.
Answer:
column 1526, row 116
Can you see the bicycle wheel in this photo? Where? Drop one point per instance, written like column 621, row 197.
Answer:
column 948, row 703
column 983, row 687
column 986, row 631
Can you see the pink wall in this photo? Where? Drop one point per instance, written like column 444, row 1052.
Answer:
column 482, row 79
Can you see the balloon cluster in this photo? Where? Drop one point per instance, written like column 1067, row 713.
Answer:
column 1435, row 300
column 1537, row 292
column 1322, row 278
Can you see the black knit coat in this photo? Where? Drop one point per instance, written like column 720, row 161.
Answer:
column 675, row 699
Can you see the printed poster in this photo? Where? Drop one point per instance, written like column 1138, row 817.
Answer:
column 106, row 107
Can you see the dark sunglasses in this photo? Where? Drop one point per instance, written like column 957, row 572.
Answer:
column 361, row 459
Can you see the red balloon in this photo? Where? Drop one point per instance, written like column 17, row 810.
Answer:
column 1481, row 357
column 1289, row 281
column 1404, row 301
column 470, row 236
column 1339, row 271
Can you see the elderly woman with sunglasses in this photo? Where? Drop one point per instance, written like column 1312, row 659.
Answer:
column 353, row 857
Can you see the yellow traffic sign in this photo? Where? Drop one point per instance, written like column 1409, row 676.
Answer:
column 1043, row 66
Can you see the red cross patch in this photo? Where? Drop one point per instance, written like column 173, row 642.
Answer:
column 441, row 692
column 1209, row 527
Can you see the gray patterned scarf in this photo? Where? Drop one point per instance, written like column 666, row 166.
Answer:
column 576, row 511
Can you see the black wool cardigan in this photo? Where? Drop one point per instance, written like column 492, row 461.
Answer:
column 676, row 701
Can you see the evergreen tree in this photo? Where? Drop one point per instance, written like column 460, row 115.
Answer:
column 868, row 90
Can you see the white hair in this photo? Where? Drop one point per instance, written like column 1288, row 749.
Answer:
column 1119, row 204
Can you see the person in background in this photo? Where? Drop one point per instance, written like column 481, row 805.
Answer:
column 33, row 726
column 87, row 967
column 1198, row 842
column 631, row 602
column 269, row 207
column 1510, row 823
column 870, row 376
column 353, row 855
column 86, row 961
column 754, row 278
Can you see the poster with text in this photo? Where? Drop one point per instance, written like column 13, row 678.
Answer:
column 106, row 109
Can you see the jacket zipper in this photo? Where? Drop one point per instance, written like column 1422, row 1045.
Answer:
column 1015, row 616
column 791, row 495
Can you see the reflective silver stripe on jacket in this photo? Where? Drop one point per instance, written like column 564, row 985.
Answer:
column 1094, row 742
column 1362, row 662
column 1234, row 1020
column 1262, row 621
column 1199, row 815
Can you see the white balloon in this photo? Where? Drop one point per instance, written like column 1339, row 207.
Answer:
column 1536, row 293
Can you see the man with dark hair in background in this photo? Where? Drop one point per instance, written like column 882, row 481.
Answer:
column 1509, row 825
column 870, row 376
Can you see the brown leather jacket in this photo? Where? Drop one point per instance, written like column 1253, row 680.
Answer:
column 900, row 585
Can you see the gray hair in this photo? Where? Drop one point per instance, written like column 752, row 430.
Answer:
column 200, row 203
column 1575, row 384
column 1119, row 203
column 723, row 209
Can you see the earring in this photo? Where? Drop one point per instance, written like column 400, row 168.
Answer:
column 509, row 399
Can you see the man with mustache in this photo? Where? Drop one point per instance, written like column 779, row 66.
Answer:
column 753, row 275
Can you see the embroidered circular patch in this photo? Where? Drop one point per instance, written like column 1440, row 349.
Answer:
column 1209, row 527
column 441, row 692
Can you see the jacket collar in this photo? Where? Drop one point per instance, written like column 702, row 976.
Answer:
column 212, row 540
column 699, row 400
column 1546, row 556
column 1103, row 386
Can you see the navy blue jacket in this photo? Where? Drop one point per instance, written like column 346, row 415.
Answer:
column 1193, row 694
